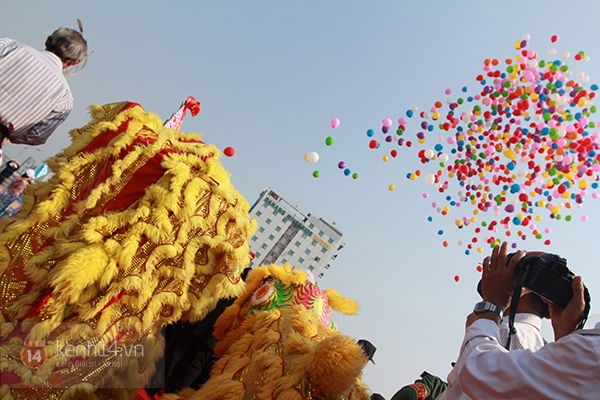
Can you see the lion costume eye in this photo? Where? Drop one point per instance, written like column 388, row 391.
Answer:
column 262, row 294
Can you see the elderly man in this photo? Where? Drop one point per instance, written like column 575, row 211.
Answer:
column 34, row 95
column 566, row 368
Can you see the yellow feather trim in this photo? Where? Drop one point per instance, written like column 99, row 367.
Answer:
column 177, row 250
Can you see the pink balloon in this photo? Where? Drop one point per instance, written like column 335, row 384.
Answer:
column 335, row 123
column 387, row 122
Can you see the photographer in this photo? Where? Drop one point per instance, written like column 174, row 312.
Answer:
column 566, row 368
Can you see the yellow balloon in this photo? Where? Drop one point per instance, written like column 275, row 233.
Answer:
column 392, row 187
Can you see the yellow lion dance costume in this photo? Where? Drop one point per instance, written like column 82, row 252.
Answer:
column 277, row 342
column 139, row 227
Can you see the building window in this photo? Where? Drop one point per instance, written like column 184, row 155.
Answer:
column 317, row 259
column 256, row 255
column 297, row 244
column 311, row 268
column 264, row 246
column 283, row 261
column 254, row 238
column 307, row 251
column 280, row 245
column 323, row 250
column 304, row 234
column 274, row 254
column 288, row 236
column 321, row 233
column 330, row 241
column 258, row 213
column 265, row 205
column 268, row 220
column 261, row 229
column 291, row 252
column 271, row 237
column 314, row 242
column 301, row 260
column 311, row 226
column 277, row 228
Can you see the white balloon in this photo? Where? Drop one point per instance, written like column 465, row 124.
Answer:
column 312, row 157
column 429, row 153
column 565, row 55
column 429, row 179
column 552, row 52
column 443, row 157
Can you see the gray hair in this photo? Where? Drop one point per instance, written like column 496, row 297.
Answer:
column 68, row 44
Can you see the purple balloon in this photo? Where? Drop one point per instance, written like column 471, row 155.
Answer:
column 341, row 165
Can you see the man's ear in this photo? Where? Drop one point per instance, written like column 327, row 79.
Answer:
column 70, row 63
column 48, row 41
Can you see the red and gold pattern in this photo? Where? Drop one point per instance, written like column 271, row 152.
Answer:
column 139, row 227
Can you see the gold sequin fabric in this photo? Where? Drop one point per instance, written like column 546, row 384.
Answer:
column 138, row 227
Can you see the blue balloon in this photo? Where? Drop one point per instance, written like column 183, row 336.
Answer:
column 409, row 113
column 347, row 171
column 370, row 132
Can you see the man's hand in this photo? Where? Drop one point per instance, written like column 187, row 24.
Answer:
column 498, row 278
column 565, row 320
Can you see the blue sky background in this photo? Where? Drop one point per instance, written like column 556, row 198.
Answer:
column 271, row 75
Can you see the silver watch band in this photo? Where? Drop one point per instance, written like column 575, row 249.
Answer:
column 484, row 306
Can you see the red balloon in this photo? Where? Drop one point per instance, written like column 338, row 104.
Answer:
column 229, row 151
column 456, row 278
column 373, row 144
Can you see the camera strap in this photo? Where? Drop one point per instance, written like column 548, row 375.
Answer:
column 514, row 303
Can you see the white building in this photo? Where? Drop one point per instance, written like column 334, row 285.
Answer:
column 285, row 234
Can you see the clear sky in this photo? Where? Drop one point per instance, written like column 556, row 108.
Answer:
column 272, row 74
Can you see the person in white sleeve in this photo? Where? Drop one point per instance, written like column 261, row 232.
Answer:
column 565, row 369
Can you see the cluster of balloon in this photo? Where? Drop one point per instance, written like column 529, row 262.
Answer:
column 522, row 148
column 313, row 157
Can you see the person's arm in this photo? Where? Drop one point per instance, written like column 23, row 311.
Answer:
column 38, row 134
column 487, row 370
column 563, row 369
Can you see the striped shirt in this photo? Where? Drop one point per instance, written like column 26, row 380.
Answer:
column 34, row 95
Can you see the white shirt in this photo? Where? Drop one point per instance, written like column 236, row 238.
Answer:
column 34, row 95
column 528, row 336
column 566, row 369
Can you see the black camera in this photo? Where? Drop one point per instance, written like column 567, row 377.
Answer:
column 546, row 275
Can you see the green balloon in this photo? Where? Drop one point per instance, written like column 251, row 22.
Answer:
column 316, row 174
column 355, row 176
column 329, row 141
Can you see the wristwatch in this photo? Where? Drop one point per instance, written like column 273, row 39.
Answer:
column 484, row 306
